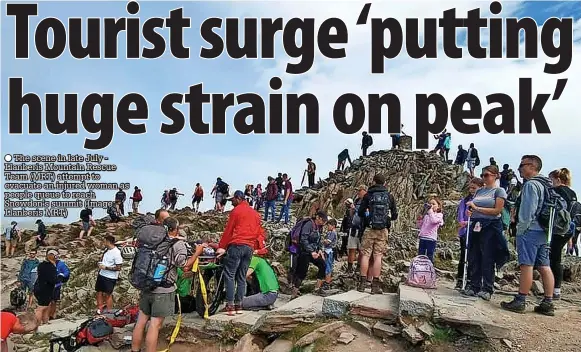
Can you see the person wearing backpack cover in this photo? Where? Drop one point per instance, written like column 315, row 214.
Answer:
column 243, row 231
column 310, row 251
column 137, row 197
column 157, row 287
column 561, row 179
column 382, row 211
column 429, row 225
column 532, row 237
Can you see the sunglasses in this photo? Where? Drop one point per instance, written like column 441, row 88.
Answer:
column 523, row 165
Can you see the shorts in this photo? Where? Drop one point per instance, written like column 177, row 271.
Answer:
column 11, row 241
column 157, row 305
column 471, row 163
column 219, row 197
column 86, row 225
column 105, row 284
column 43, row 299
column 353, row 242
column 28, row 285
column 374, row 242
column 56, row 294
column 533, row 249
column 197, row 200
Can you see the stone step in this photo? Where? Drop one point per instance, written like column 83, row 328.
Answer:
column 337, row 306
column 303, row 309
column 360, row 304
column 60, row 327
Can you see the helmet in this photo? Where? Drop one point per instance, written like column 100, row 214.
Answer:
column 17, row 297
column 128, row 252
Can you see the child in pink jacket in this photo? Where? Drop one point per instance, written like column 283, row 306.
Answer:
column 429, row 225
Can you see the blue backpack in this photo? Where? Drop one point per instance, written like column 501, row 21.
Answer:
column 292, row 243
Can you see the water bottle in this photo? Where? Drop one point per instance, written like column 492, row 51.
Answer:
column 160, row 269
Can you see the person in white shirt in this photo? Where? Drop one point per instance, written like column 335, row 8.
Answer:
column 110, row 267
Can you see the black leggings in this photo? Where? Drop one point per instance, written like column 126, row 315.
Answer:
column 461, row 261
column 303, row 262
column 556, row 254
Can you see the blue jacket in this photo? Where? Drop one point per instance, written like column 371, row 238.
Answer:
column 62, row 272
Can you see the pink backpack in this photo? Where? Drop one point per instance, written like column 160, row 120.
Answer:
column 422, row 273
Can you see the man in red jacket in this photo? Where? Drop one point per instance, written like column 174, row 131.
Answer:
column 242, row 233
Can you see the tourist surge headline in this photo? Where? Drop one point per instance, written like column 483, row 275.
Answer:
column 98, row 38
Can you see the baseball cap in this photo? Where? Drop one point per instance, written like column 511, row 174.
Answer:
column 238, row 194
column 53, row 252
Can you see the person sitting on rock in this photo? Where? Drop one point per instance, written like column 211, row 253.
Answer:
column 28, row 274
column 341, row 158
column 378, row 210
column 396, row 138
column 268, row 283
column 310, row 251
column 12, row 324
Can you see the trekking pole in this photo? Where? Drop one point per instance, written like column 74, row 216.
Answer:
column 551, row 221
column 464, row 275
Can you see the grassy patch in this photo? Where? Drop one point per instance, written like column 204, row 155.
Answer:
column 444, row 264
column 443, row 335
column 324, row 344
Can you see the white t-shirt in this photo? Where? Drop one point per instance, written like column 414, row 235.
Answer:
column 111, row 258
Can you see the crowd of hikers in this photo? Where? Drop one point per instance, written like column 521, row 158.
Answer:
column 540, row 214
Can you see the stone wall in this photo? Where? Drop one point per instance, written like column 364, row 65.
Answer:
column 406, row 143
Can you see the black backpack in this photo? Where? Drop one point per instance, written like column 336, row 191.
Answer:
column 85, row 214
column 575, row 212
column 223, row 188
column 173, row 194
column 379, row 204
column 553, row 202
column 153, row 244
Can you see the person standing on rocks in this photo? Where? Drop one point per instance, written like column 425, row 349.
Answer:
column 311, row 170
column 109, row 268
column 531, row 239
column 287, row 200
column 310, row 251
column 396, row 138
column 87, row 221
column 446, row 146
column 329, row 243
column 41, row 233
column 220, row 192
column 279, row 183
column 63, row 274
column 238, row 242
column 156, row 305
column 197, row 197
column 346, row 226
column 473, row 159
column 44, row 286
column 382, row 210
column 462, row 219
column 120, row 198
column 366, row 142
column 429, row 225
column 561, row 179
column 355, row 230
column 28, row 274
column 173, row 198
column 341, row 158
column 270, row 199
column 136, row 198
column 486, row 234
column 258, row 196
column 12, row 236
column 461, row 156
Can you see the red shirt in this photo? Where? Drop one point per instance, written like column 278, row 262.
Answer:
column 244, row 227
column 7, row 322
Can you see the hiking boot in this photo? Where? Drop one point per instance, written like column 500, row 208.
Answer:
column 458, row 285
column 238, row 308
column 295, row 293
column 556, row 297
column 545, row 308
column 485, row 295
column 468, row 293
column 361, row 285
column 515, row 305
column 230, row 310
column 376, row 287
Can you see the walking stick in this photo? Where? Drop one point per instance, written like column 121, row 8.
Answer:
column 466, row 255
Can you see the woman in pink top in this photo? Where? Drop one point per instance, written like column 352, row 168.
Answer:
column 429, row 225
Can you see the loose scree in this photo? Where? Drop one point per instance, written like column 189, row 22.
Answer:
column 144, row 40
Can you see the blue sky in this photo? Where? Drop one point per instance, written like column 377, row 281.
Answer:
column 155, row 162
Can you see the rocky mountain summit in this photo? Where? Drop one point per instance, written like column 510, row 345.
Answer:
column 411, row 177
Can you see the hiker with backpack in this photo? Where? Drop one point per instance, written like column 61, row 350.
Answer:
column 136, row 198
column 270, row 198
column 461, row 156
column 28, row 274
column 12, row 236
column 429, row 224
column 287, row 199
column 197, row 197
column 238, row 242
column 220, row 191
column 377, row 211
column 341, row 158
column 561, row 179
column 40, row 233
column 473, row 159
column 462, row 219
column 533, row 230
column 109, row 269
column 87, row 221
column 307, row 238
column 165, row 200
column 120, row 198
column 114, row 212
column 366, row 142
column 487, row 246
column 154, row 273
column 173, row 197
column 310, row 171
column 10, row 323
